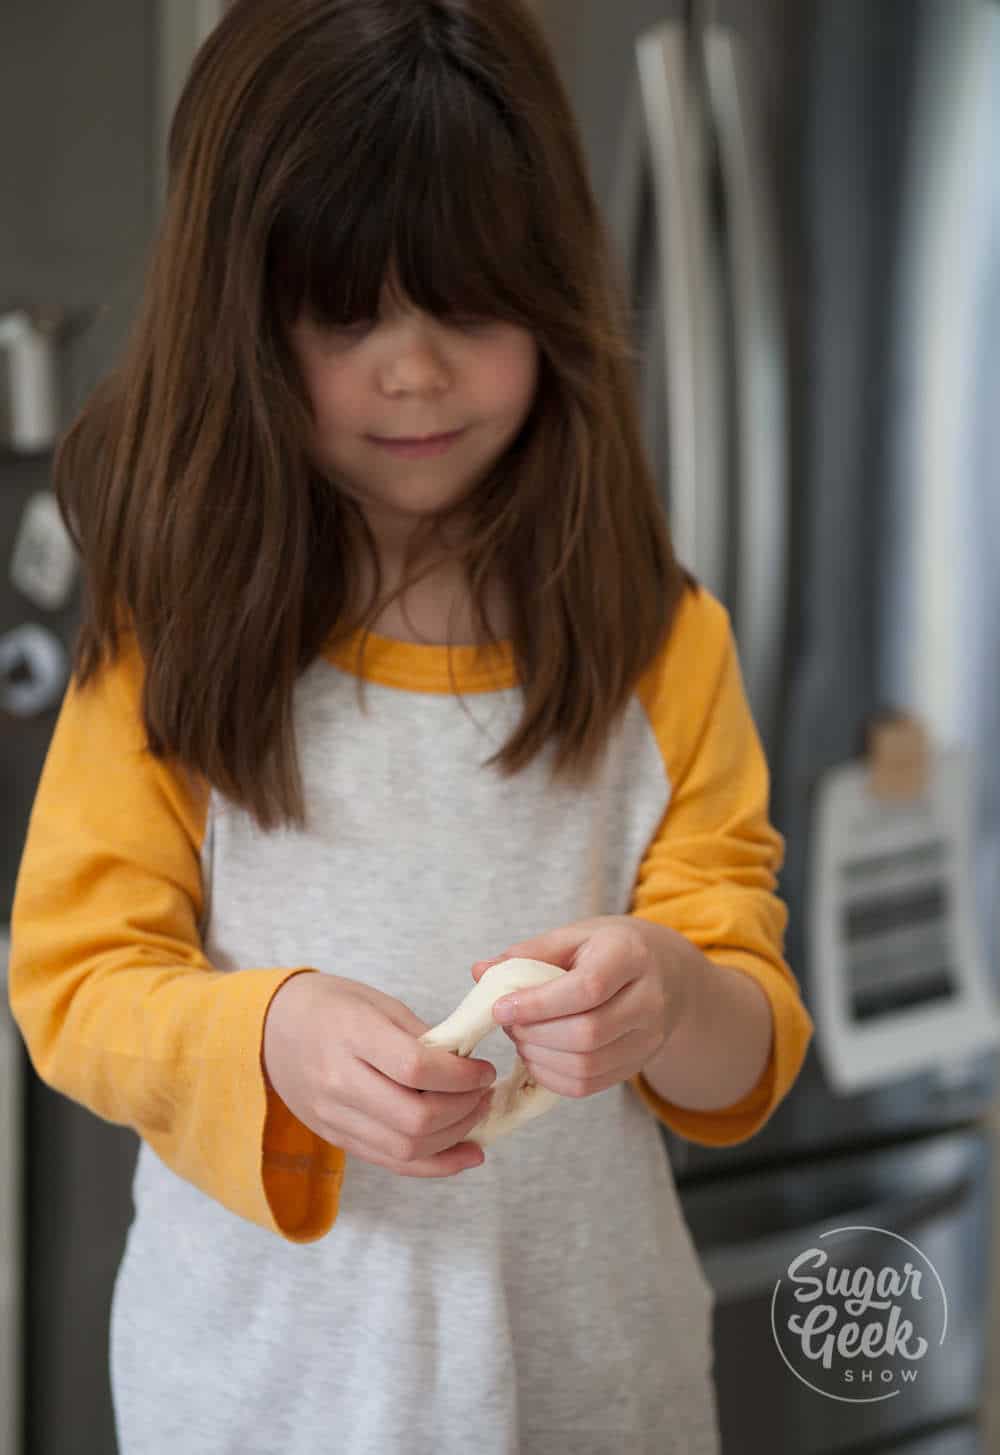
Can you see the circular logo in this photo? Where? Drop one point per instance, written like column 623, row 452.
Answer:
column 858, row 1328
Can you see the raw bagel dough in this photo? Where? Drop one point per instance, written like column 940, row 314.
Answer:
column 517, row 1098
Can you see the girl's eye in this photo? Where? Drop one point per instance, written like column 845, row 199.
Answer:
column 358, row 329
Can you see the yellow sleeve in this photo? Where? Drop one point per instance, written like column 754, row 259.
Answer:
column 118, row 1006
column 711, row 870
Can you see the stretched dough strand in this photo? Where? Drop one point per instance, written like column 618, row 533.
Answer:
column 517, row 1098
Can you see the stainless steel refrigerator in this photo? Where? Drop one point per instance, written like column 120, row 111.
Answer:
column 803, row 196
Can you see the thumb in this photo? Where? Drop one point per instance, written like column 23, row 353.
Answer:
column 407, row 1020
column 555, row 947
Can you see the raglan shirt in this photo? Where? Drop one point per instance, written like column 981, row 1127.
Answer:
column 276, row 1294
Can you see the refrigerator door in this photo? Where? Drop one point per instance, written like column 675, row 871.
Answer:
column 811, row 147
column 855, row 148
column 936, row 1194
column 78, row 212
column 853, row 115
column 944, row 486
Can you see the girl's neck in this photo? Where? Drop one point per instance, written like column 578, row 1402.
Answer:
column 422, row 614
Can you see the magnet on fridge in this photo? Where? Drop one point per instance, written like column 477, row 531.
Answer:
column 899, row 977
column 899, row 757
column 34, row 669
column 44, row 562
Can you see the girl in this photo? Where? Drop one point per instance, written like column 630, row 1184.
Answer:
column 349, row 713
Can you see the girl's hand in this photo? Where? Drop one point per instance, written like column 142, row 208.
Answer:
column 590, row 1030
column 346, row 1059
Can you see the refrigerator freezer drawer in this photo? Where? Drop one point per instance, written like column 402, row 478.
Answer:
column 964, row 1439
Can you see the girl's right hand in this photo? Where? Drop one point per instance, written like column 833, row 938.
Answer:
column 346, row 1060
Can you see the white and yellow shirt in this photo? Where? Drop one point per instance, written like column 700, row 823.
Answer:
column 276, row 1294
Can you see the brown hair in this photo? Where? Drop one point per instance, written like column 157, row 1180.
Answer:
column 316, row 144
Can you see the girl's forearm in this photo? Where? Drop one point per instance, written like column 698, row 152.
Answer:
column 718, row 1051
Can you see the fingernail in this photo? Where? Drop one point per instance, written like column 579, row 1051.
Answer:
column 505, row 1010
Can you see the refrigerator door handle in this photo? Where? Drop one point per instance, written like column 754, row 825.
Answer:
column 628, row 187
column 664, row 140
column 760, row 422
column 753, row 1268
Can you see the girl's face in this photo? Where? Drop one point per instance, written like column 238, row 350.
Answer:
column 408, row 376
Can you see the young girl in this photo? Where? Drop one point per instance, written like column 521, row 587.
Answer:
column 351, row 717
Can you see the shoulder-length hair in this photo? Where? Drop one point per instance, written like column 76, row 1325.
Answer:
column 316, row 145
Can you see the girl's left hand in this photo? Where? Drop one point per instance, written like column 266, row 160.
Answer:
column 628, row 990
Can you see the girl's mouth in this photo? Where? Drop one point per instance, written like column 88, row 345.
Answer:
column 417, row 449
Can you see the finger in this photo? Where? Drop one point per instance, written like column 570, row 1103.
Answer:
column 573, row 1087
column 618, row 1017
column 402, row 1112
column 447, row 1162
column 554, row 947
column 460, row 1158
column 433, row 1070
column 481, row 966
column 558, row 947
column 599, row 972
column 478, row 970
column 612, row 1060
column 404, row 1060
column 402, row 1125
column 422, row 1138
column 570, row 1076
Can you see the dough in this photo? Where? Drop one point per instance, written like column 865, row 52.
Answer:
column 517, row 1098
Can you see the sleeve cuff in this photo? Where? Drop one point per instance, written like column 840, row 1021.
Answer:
column 792, row 1032
column 301, row 1174
column 248, row 1150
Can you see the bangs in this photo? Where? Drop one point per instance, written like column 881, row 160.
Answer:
column 428, row 195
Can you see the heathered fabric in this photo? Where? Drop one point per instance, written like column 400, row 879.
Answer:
column 277, row 1296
